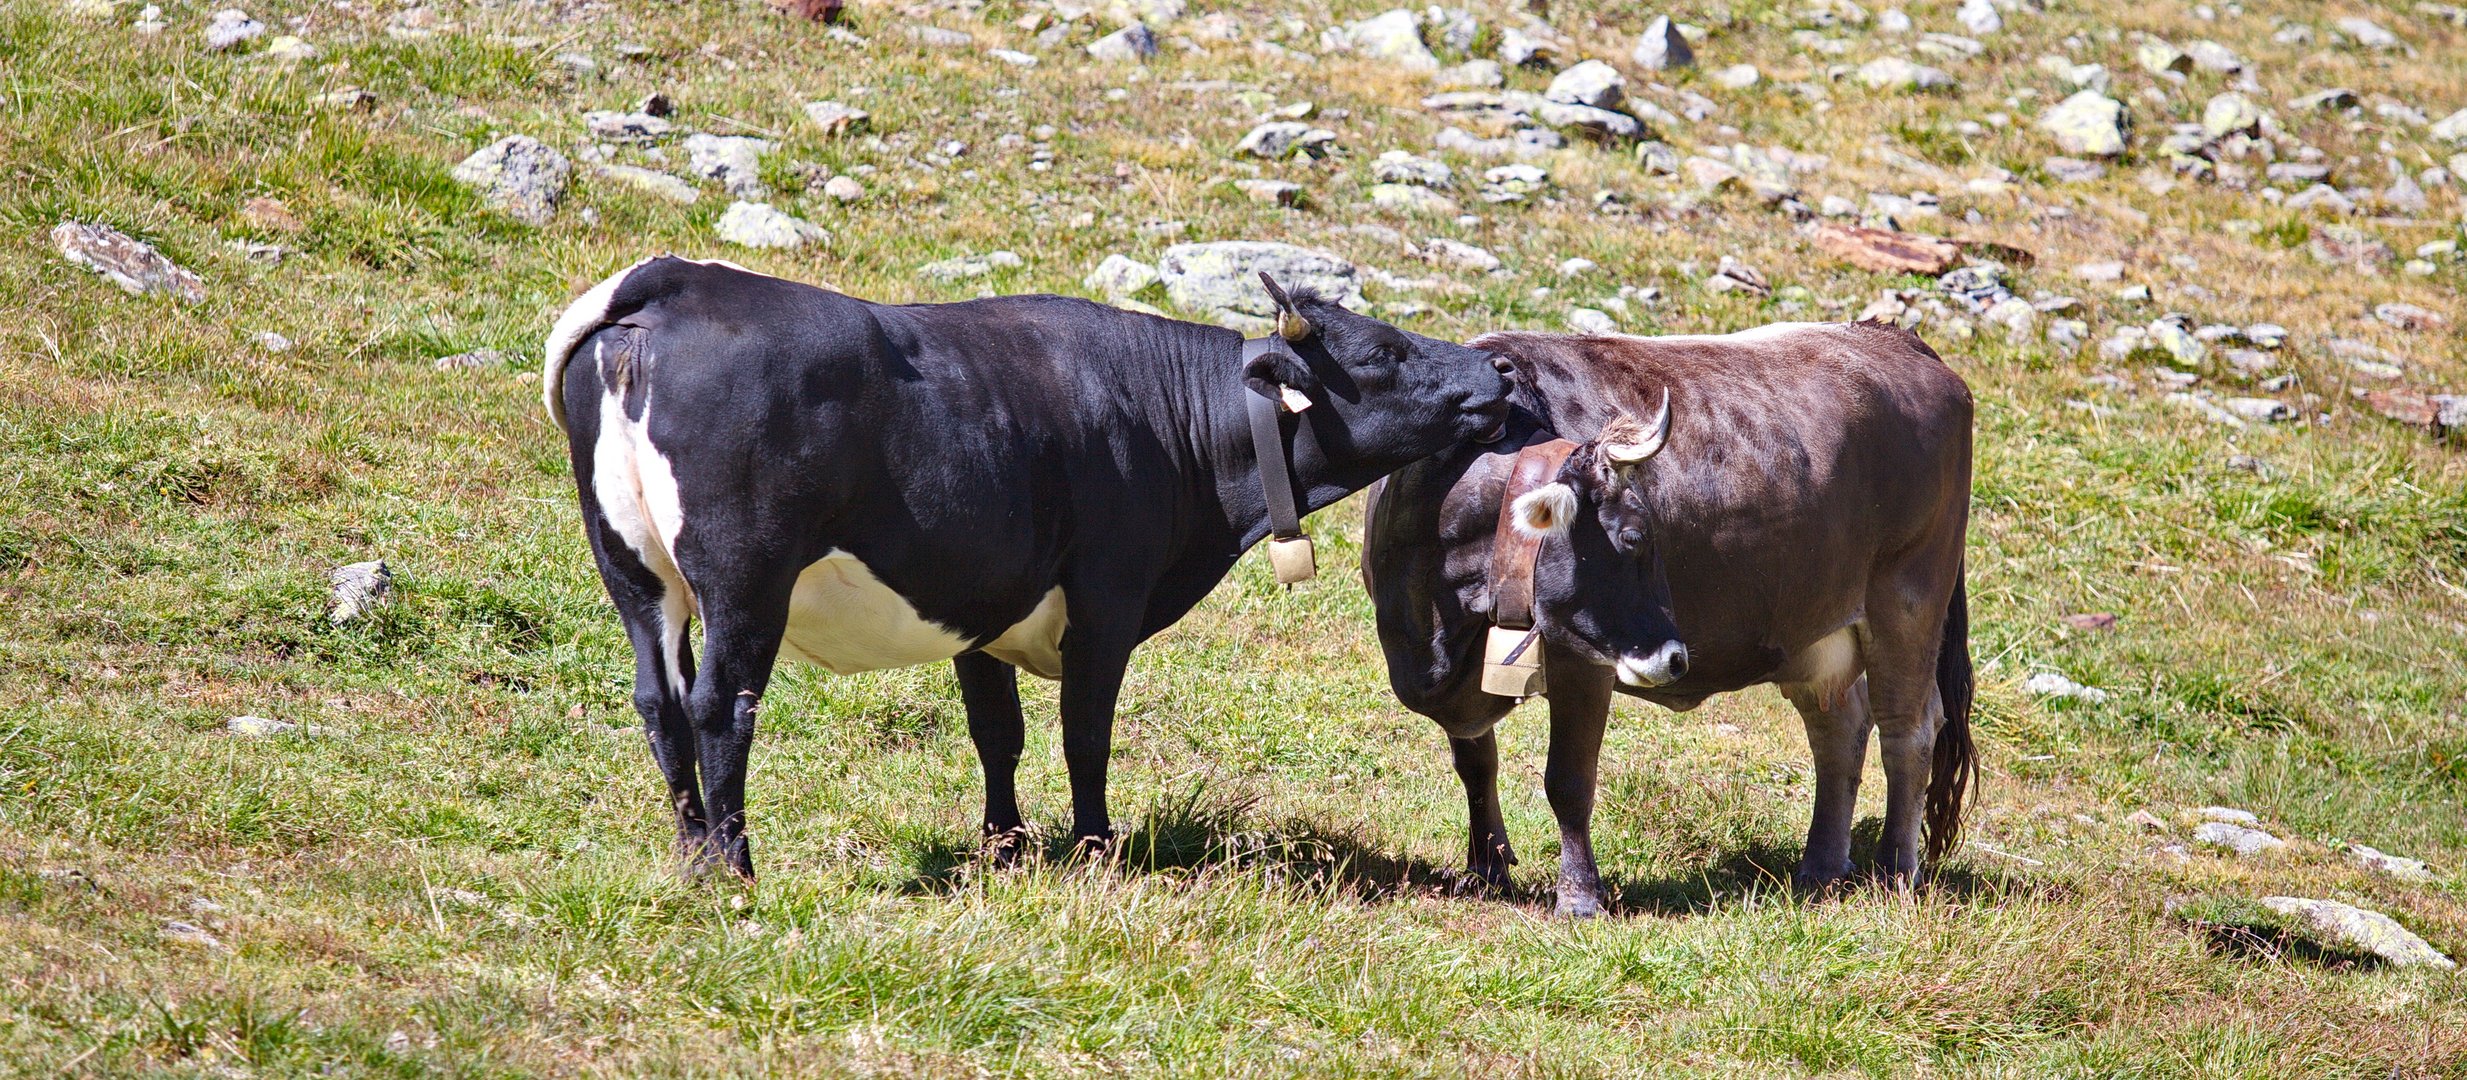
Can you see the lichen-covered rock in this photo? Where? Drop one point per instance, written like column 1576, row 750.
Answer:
column 359, row 588
column 229, row 27
column 733, row 160
column 1401, row 167
column 650, row 182
column 1662, row 46
column 2244, row 841
column 1279, row 139
column 519, row 176
column 2088, row 124
column 126, row 261
column 1393, row 36
column 962, row 267
column 1896, row 73
column 1128, row 45
column 2230, row 113
column 759, row 225
column 1224, row 276
column 1591, row 83
column 2355, row 927
column 1120, row 277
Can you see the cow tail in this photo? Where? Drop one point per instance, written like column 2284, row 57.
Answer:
column 1956, row 764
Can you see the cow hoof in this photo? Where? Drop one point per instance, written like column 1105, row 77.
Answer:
column 1809, row 882
column 1578, row 906
column 1003, row 847
column 1482, row 881
column 1092, row 847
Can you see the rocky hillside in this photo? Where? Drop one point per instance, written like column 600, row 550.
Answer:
column 316, row 751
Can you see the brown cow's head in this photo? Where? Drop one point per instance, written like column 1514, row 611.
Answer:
column 1598, row 588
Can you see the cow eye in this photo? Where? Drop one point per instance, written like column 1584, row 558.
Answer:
column 1632, row 537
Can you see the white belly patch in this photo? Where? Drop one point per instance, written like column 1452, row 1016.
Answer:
column 844, row 620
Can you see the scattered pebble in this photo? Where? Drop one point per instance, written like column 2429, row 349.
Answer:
column 2355, row 927
column 132, row 264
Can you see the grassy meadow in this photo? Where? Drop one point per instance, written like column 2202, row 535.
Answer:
column 464, row 871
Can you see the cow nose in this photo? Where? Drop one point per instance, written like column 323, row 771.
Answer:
column 1501, row 364
column 1661, row 667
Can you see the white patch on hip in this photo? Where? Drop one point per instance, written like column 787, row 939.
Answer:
column 844, row 620
column 637, row 493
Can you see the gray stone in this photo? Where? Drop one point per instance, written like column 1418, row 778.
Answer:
column 1458, row 255
column 289, row 49
column 758, row 225
column 1662, row 46
column 1738, row 76
column 2050, row 684
column 1271, row 192
column 1400, row 167
column 1413, row 199
column 2366, row 33
column 1128, row 45
column 361, row 587
column 473, row 360
column 651, row 182
column 1896, row 73
column 2070, row 170
column 1591, row 83
column 625, row 127
column 2088, row 124
column 1731, row 275
column 195, row 937
column 2212, row 56
column 1120, row 277
column 837, row 118
column 843, row 188
column 2230, row 113
column 940, row 38
column 2297, row 172
column 1454, row 29
column 1602, row 124
column 1585, row 320
column 2393, row 866
column 1708, row 175
column 2321, row 100
column 519, row 176
column 733, row 160
column 2182, row 348
column 1224, row 276
column 1393, row 36
column 1151, row 12
column 1658, row 158
column 1520, row 49
column 2228, row 814
column 229, row 27
column 126, row 261
column 964, row 267
column 2355, row 927
column 2158, row 57
column 2410, row 316
column 1471, row 73
column 2244, row 840
column 2451, row 129
column 1280, row 139
column 2260, row 410
column 1979, row 17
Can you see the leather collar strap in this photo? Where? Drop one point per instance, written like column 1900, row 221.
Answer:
column 1268, row 443
column 1512, row 552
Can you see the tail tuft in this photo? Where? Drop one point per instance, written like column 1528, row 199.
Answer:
column 1956, row 765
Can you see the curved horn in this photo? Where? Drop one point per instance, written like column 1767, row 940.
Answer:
column 1292, row 326
column 1656, row 433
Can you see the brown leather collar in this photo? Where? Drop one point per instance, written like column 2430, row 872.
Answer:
column 1512, row 552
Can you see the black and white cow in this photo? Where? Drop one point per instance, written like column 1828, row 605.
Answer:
column 1020, row 482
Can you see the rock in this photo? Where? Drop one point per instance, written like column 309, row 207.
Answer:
column 126, row 261
column 1603, row 124
column 1885, row 251
column 733, row 160
column 2148, row 821
column 1979, row 17
column 1512, row 183
column 843, row 188
column 2389, row 865
column 230, row 27
column 1577, row 266
column 1585, row 320
column 2158, row 58
column 1280, row 139
column 461, row 361
column 289, row 49
column 837, row 118
column 1271, row 192
column 2090, row 620
column 273, row 342
column 940, row 38
column 1731, row 275
column 518, row 176
column 2355, row 927
column 2073, row 170
column 1393, row 36
column 1400, row 167
column 2089, row 123
column 2260, row 410
column 1657, row 158
column 1738, row 76
column 1591, row 83
column 963, row 267
column 1894, row 21
column 2212, row 56
column 1662, row 46
column 1128, row 45
column 1413, row 199
column 347, row 99
column 2341, row 245
column 2231, row 113
column 2244, row 840
column 578, row 66
column 1455, row 28
column 2228, row 814
column 2050, row 684
column 2182, row 348
column 1120, row 277
column 626, row 127
column 2334, row 98
column 2066, row 336
column 2297, row 172
column 2018, row 318
column 1013, row 57
column 2366, row 33
column 2410, row 317
column 2450, row 129
column 1224, row 276
column 1706, row 174
column 2322, row 197
column 1458, row 255
column 650, row 182
column 1895, row 73
column 2442, row 415
column 1472, row 73
column 2100, row 272
column 180, row 933
column 260, row 726
column 361, row 587
column 1520, row 49
column 759, row 225
column 2266, row 335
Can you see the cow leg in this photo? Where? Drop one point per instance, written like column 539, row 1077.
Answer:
column 1837, row 740
column 742, row 626
column 990, row 689
column 1905, row 627
column 1092, row 668
column 1488, row 855
column 1579, row 709
column 655, row 613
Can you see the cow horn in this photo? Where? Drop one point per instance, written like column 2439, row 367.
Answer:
column 1656, row 432
column 1292, row 326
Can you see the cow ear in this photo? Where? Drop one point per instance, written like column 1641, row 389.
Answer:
column 1274, row 370
column 1544, row 511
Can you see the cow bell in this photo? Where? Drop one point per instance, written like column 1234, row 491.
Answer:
column 1293, row 559
column 1520, row 677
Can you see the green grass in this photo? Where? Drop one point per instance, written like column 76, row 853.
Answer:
column 468, row 875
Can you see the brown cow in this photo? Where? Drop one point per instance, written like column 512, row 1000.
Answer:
column 1794, row 515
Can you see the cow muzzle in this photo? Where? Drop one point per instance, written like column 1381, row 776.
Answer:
column 1661, row 667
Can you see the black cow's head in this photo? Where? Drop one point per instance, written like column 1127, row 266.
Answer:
column 1381, row 397
column 1598, row 586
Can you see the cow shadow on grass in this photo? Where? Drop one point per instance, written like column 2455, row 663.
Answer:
column 1192, row 836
